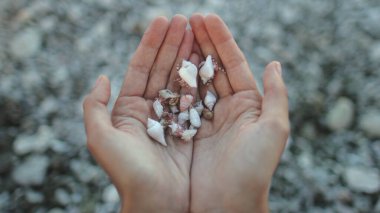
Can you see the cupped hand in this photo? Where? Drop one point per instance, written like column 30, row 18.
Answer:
column 149, row 176
column 236, row 153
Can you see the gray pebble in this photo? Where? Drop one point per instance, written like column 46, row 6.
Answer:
column 4, row 199
column 110, row 194
column 85, row 171
column 340, row 116
column 377, row 207
column 370, row 123
column 62, row 196
column 56, row 210
column 32, row 171
column 34, row 196
column 363, row 179
column 38, row 142
column 26, row 43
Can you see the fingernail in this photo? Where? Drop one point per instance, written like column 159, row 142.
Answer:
column 278, row 68
column 98, row 81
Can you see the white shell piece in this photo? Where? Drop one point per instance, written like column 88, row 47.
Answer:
column 188, row 73
column 185, row 102
column 183, row 117
column 210, row 100
column 188, row 134
column 174, row 109
column 166, row 94
column 158, row 108
column 195, row 120
column 156, row 131
column 174, row 127
column 206, row 72
column 199, row 107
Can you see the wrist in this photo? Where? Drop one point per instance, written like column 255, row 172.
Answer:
column 234, row 202
column 149, row 204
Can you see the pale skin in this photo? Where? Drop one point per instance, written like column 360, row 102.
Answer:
column 229, row 165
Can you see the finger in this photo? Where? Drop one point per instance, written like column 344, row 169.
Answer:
column 159, row 75
column 96, row 116
column 142, row 61
column 220, row 82
column 275, row 102
column 183, row 53
column 194, row 58
column 197, row 49
column 238, row 71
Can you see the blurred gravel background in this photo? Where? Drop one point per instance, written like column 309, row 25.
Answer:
column 51, row 52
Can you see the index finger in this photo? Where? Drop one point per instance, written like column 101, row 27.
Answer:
column 238, row 71
column 142, row 61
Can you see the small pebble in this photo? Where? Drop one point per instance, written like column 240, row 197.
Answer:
column 85, row 171
column 34, row 197
column 62, row 196
column 26, row 43
column 341, row 115
column 363, row 179
column 370, row 123
column 32, row 171
column 110, row 194
column 39, row 142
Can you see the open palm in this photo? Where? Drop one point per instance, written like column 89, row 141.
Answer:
column 229, row 165
column 237, row 152
column 152, row 177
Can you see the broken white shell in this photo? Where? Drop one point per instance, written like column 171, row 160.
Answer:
column 156, row 131
column 210, row 100
column 206, row 72
column 185, row 102
column 166, row 94
column 188, row 73
column 174, row 109
column 199, row 107
column 158, row 108
column 177, row 129
column 195, row 120
column 183, row 117
column 188, row 134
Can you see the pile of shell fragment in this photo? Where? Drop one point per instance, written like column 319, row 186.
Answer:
column 180, row 115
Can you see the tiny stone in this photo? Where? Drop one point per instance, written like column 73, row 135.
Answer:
column 207, row 114
column 110, row 194
column 85, row 171
column 345, row 196
column 56, row 210
column 38, row 142
column 375, row 52
column 370, row 123
column 308, row 131
column 4, row 199
column 341, row 114
column 363, row 179
column 62, row 196
column 31, row 171
column 26, row 43
column 34, row 197
column 377, row 207
column 59, row 146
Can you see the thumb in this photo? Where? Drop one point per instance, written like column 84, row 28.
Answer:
column 96, row 115
column 275, row 102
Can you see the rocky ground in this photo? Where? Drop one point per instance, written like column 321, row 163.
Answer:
column 52, row 51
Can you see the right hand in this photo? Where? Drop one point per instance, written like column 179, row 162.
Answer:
column 236, row 153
